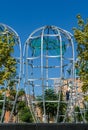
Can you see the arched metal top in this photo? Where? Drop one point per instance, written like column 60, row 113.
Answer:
column 5, row 29
column 48, row 31
column 55, row 31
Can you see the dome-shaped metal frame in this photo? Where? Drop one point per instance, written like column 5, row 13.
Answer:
column 44, row 44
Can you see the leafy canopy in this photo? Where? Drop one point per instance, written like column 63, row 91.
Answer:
column 81, row 37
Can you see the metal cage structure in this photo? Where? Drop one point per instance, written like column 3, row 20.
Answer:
column 46, row 71
column 49, row 65
column 9, row 36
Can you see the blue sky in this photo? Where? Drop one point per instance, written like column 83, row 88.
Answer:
column 27, row 15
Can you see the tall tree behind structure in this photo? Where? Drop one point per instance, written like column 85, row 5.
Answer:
column 81, row 37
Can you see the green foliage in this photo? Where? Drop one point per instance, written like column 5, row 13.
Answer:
column 81, row 37
column 86, row 98
column 51, row 107
column 25, row 115
column 78, row 115
column 21, row 110
column 7, row 62
column 62, row 108
column 21, row 93
column 21, row 105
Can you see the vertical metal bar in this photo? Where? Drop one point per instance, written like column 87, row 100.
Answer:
column 47, row 65
column 73, row 79
column 43, row 89
column 47, row 71
column 21, row 58
column 26, row 62
column 61, row 75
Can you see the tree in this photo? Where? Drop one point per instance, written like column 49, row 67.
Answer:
column 21, row 111
column 7, row 65
column 81, row 37
column 25, row 115
column 7, row 61
column 51, row 107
